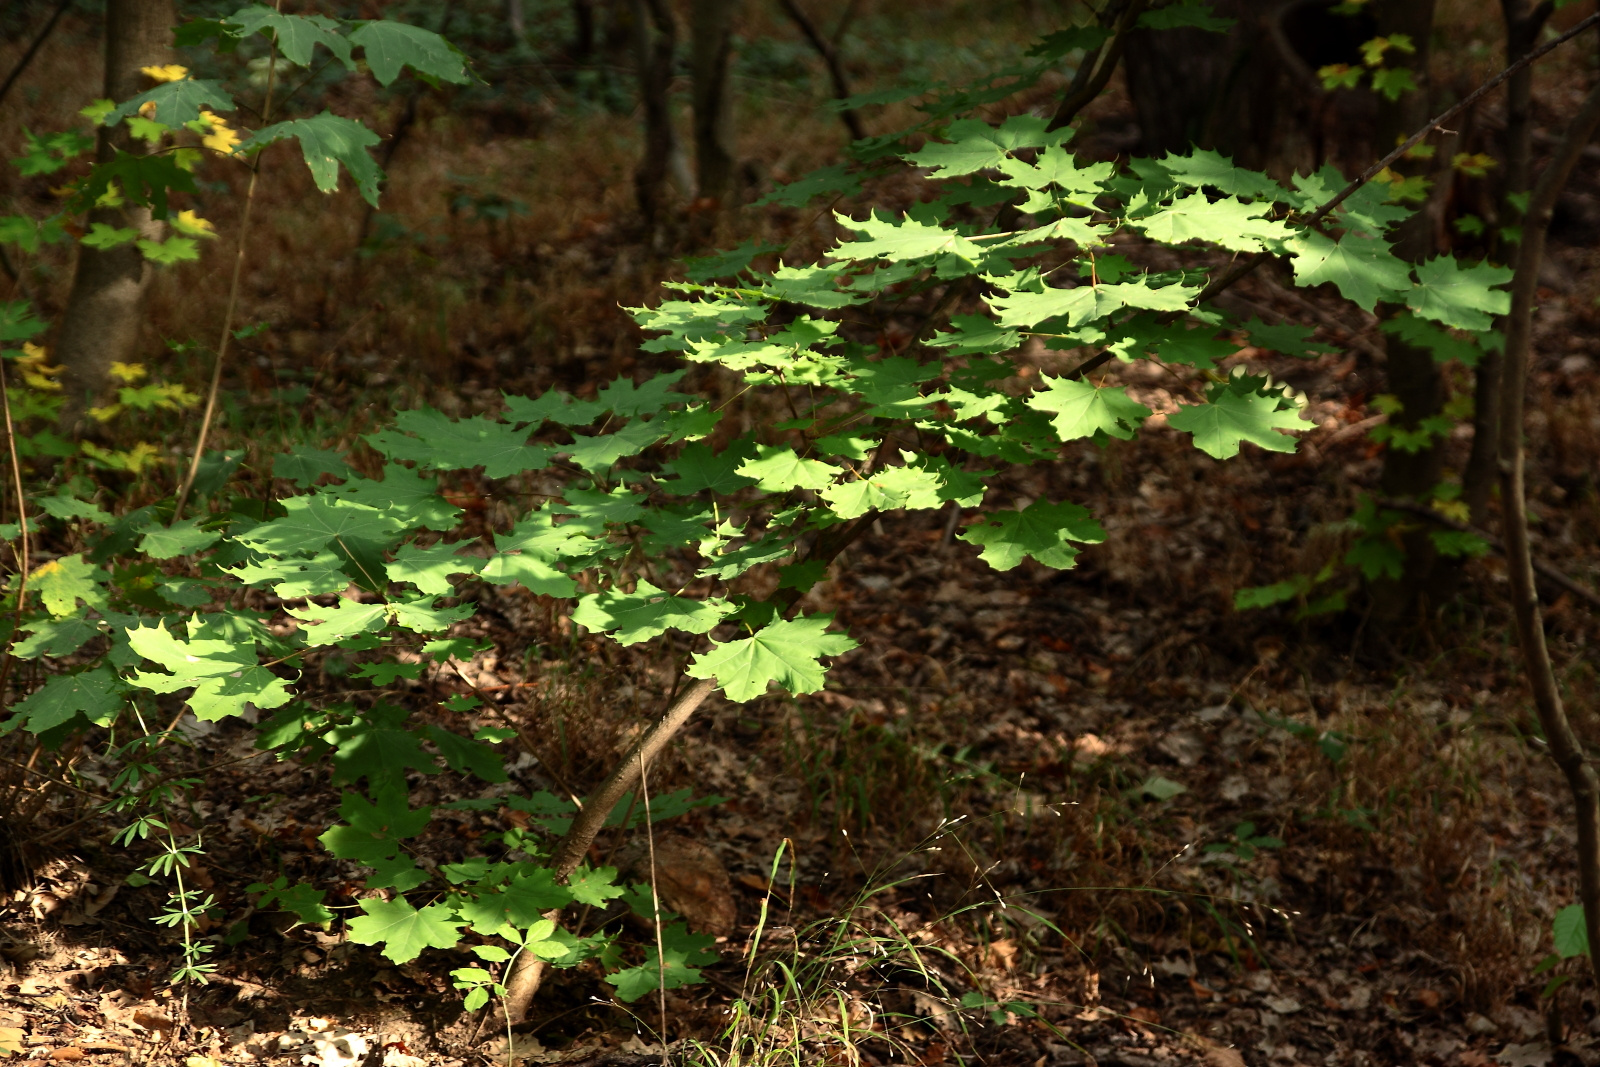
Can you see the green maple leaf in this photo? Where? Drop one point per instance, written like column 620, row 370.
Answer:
column 295, row 35
column 326, row 141
column 302, row 901
column 377, row 746
column 101, row 236
column 1082, row 409
column 55, row 637
column 815, row 286
column 382, row 674
column 97, row 693
column 552, row 406
column 1463, row 297
column 786, row 652
column 442, row 443
column 402, row 930
column 678, row 965
column 1040, row 530
column 1204, row 168
column 776, row 468
column 1085, row 303
column 647, row 612
column 1362, row 267
column 172, row 250
column 143, row 180
column 1444, row 345
column 1194, row 348
column 392, row 46
column 429, row 569
column 601, row 452
column 699, row 467
column 626, row 400
column 183, row 539
column 894, row 241
column 175, row 102
column 406, row 494
column 464, row 755
column 374, row 829
column 294, row 578
column 885, row 490
column 892, row 384
column 594, row 887
column 343, row 620
column 1231, row 418
column 304, row 465
column 1055, row 166
column 1286, row 337
column 61, row 583
column 1225, row 222
column 313, row 522
column 225, row 675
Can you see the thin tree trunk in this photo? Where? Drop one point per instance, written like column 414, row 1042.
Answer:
column 1565, row 747
column 1522, row 30
column 1413, row 376
column 830, row 59
column 103, row 314
column 711, row 46
column 655, row 43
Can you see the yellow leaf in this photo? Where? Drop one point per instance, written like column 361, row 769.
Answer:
column 172, row 72
column 39, row 381
column 189, row 224
column 12, row 1041
column 148, row 109
column 132, row 372
column 202, row 1061
column 221, row 138
column 105, row 414
column 32, row 351
column 1453, row 509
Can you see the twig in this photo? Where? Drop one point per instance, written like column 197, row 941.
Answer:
column 830, row 59
column 1566, row 749
column 1555, row 576
column 22, row 525
column 655, row 898
column 1097, row 67
column 227, row 316
column 33, row 49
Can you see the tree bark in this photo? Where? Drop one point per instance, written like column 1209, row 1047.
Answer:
column 655, row 45
column 711, row 47
column 1565, row 747
column 103, row 314
column 1413, row 375
column 1523, row 23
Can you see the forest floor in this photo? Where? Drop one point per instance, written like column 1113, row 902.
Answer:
column 1039, row 818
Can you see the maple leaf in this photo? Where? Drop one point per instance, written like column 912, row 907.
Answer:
column 443, row 443
column 1225, row 222
column 776, row 468
column 402, row 930
column 392, row 46
column 98, row 694
column 1231, row 418
column 326, row 141
column 786, row 652
column 1040, row 530
column 1463, row 297
column 429, row 569
column 225, row 675
column 906, row 239
column 61, row 583
column 647, row 612
column 1082, row 409
column 1362, row 267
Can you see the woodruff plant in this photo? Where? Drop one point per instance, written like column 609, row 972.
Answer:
column 652, row 507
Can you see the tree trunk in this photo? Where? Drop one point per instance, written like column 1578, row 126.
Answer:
column 711, row 39
column 1252, row 93
column 1523, row 23
column 102, row 319
column 1413, row 375
column 655, row 44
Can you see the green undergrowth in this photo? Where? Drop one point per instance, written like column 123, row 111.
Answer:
column 640, row 512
